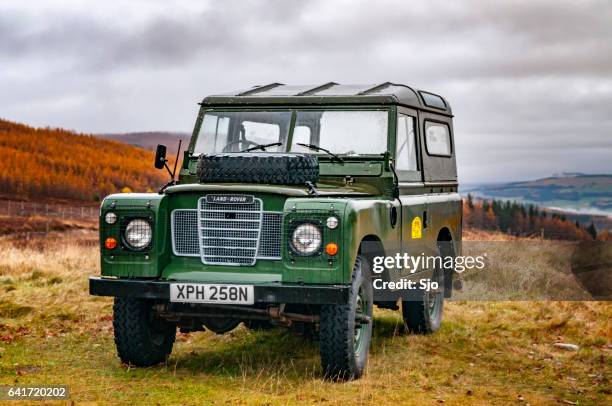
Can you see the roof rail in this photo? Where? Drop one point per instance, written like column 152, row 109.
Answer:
column 258, row 89
column 317, row 89
column 375, row 88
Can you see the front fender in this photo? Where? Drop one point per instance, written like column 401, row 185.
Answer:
column 321, row 267
column 122, row 262
column 369, row 218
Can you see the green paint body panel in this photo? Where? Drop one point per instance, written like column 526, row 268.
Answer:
column 121, row 262
column 359, row 192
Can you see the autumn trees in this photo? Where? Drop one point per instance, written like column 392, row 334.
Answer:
column 43, row 162
column 522, row 220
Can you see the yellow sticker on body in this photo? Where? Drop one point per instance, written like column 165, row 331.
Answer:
column 417, row 228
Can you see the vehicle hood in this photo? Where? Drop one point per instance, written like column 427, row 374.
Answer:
column 323, row 189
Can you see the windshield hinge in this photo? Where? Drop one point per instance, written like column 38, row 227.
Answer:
column 312, row 190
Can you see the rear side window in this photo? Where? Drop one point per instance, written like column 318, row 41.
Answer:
column 405, row 154
column 437, row 139
column 433, row 100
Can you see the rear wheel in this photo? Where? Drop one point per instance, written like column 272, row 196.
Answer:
column 346, row 330
column 220, row 325
column 259, row 325
column 141, row 338
column 423, row 315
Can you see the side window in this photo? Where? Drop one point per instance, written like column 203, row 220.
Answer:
column 405, row 153
column 437, row 139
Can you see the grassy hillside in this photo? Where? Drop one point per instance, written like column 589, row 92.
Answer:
column 43, row 162
column 486, row 353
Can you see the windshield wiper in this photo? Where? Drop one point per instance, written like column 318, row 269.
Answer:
column 317, row 148
column 262, row 146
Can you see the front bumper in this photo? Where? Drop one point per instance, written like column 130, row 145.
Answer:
column 269, row 293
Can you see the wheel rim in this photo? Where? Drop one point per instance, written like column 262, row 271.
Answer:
column 432, row 299
column 435, row 299
column 360, row 329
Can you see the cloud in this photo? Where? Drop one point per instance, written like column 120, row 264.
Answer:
column 534, row 78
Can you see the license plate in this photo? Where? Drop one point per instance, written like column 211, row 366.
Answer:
column 212, row 293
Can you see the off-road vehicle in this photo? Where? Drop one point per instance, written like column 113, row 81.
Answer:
column 285, row 197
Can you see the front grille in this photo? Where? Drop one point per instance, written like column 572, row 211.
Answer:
column 271, row 235
column 185, row 233
column 231, row 239
column 227, row 234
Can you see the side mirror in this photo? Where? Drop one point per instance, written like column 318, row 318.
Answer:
column 160, row 162
column 160, row 156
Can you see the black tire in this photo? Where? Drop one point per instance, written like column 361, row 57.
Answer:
column 308, row 331
column 338, row 335
column 141, row 339
column 221, row 325
column 259, row 167
column 423, row 314
column 259, row 325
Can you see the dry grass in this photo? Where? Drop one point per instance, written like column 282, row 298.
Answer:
column 53, row 332
column 22, row 226
column 473, row 234
column 522, row 269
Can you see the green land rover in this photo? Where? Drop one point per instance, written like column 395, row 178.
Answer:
column 286, row 198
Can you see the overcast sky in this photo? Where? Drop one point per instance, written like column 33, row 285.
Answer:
column 530, row 82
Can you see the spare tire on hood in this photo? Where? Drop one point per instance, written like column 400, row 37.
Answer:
column 259, row 167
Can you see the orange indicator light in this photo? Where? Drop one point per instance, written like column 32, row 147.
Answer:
column 110, row 243
column 331, row 248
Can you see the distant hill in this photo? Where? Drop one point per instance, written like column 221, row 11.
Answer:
column 56, row 163
column 150, row 139
column 581, row 193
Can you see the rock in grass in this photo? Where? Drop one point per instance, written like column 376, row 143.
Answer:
column 567, row 346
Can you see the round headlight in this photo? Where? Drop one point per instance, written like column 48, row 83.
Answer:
column 332, row 222
column 138, row 234
column 110, row 218
column 306, row 239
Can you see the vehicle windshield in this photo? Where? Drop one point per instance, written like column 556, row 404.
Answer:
column 235, row 131
column 341, row 132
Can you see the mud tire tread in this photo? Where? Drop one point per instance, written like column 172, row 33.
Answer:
column 133, row 327
column 265, row 168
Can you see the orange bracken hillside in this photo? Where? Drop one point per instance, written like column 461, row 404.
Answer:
column 43, row 162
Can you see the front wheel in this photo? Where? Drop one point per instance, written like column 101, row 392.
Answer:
column 346, row 330
column 141, row 338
